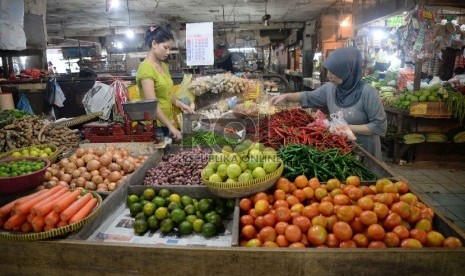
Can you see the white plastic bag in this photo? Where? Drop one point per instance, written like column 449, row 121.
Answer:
column 59, row 96
column 339, row 126
column 100, row 97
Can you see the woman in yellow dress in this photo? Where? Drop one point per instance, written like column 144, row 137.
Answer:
column 154, row 80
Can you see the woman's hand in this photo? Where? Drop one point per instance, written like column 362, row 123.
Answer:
column 278, row 99
column 176, row 134
column 186, row 109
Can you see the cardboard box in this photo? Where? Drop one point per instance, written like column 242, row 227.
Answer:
column 429, row 110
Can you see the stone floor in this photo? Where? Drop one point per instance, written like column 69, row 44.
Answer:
column 443, row 186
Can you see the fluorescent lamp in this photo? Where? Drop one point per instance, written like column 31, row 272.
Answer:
column 130, row 33
column 114, row 4
column 119, row 45
column 379, row 34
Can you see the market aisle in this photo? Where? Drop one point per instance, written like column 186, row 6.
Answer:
column 444, row 188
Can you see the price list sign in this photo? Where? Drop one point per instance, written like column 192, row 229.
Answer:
column 199, row 44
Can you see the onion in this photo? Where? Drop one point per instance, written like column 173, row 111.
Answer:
column 102, row 190
column 114, row 176
column 90, row 150
column 73, row 158
column 63, row 183
column 70, row 167
column 111, row 186
column 97, row 179
column 66, row 177
column 105, row 159
column 127, row 166
column 89, row 185
column 80, row 162
column 88, row 157
column 94, row 172
column 63, row 162
column 106, row 181
column 82, row 169
column 76, row 173
column 52, row 183
column 124, row 152
column 93, row 165
column 80, row 152
column 114, row 167
column 116, row 156
column 54, row 178
column 47, row 176
column 104, row 173
column 99, row 151
column 102, row 186
column 87, row 176
column 119, row 161
column 80, row 181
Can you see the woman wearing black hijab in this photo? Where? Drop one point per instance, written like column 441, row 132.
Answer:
column 359, row 101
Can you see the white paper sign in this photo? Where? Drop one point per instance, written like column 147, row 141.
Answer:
column 199, row 44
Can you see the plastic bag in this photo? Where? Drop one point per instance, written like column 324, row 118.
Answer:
column 100, row 97
column 339, row 126
column 184, row 94
column 24, row 104
column 59, row 96
column 121, row 95
column 49, row 96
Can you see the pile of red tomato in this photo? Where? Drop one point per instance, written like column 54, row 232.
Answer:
column 307, row 213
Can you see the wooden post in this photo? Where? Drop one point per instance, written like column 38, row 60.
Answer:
column 417, row 80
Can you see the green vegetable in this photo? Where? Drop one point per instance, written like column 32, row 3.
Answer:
column 414, row 138
column 457, row 135
column 208, row 138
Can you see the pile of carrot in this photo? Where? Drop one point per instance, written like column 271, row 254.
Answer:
column 46, row 210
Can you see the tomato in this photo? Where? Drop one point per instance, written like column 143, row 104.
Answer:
column 304, row 240
column 331, row 221
column 335, row 192
column 248, row 232
column 366, row 203
column 283, row 184
column 357, row 210
column 259, row 223
column 320, row 220
column 342, row 231
column 381, row 210
column 301, row 181
column 302, row 222
column 355, row 193
column 296, row 245
column 299, row 194
column 401, row 231
column 368, row 218
column 282, row 241
column 353, row 180
column 293, row 187
column 390, row 188
column 270, row 244
column 320, row 193
column 332, row 241
column 308, row 192
column 402, row 187
column 380, row 183
column 424, row 224
column 245, row 204
column 317, row 235
column 280, row 203
column 419, row 235
column 262, row 207
column 327, row 198
column 247, row 220
column 283, row 214
column 415, row 214
column 311, row 211
column 392, row 220
column 292, row 233
column 253, row 213
column 267, row 233
column 409, row 198
column 367, row 190
column 402, row 209
column 434, row 239
column 391, row 239
column 376, row 244
column 291, row 199
column 326, row 208
column 348, row 244
column 410, row 243
column 385, row 198
column 254, row 243
column 345, row 213
column 332, row 184
column 260, row 196
column 271, row 199
column 269, row 220
column 427, row 213
column 452, row 242
column 376, row 232
column 297, row 208
column 313, row 183
column 280, row 226
column 279, row 195
column 357, row 225
column 341, row 199
column 360, row 239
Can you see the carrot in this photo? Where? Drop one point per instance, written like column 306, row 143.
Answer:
column 38, row 223
column 62, row 223
column 14, row 221
column 6, row 209
column 24, row 208
column 38, row 205
column 26, row 227
column 48, row 207
column 63, row 203
column 52, row 218
column 2, row 222
column 84, row 211
column 49, row 227
column 30, row 217
column 76, row 206
column 29, row 197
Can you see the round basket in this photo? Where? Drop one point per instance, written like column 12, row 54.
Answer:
column 243, row 189
column 18, row 236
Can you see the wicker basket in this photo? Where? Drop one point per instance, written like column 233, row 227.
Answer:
column 52, row 157
column 243, row 189
column 18, row 236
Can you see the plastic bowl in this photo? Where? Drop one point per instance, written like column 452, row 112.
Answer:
column 22, row 183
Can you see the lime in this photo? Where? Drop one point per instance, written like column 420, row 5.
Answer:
column 208, row 230
column 43, row 155
column 258, row 172
column 233, row 158
column 226, row 150
column 166, row 226
column 135, row 208
column 222, row 170
column 199, row 215
column 233, row 170
column 149, row 209
column 175, row 198
column 205, row 205
column 247, row 143
column 144, row 201
column 215, row 219
column 153, row 222
column 243, row 166
column 48, row 150
column 185, row 228
column 198, row 225
column 191, row 218
column 164, row 192
column 16, row 154
column 230, row 204
column 241, row 150
column 34, row 153
column 161, row 213
column 149, row 194
column 209, row 215
column 174, row 205
column 186, row 200
column 207, row 172
column 245, row 176
column 190, row 209
column 159, row 201
column 178, row 216
column 132, row 199
column 140, row 215
column 231, row 180
column 140, row 226
column 258, row 146
column 220, row 210
column 215, row 178
column 270, row 166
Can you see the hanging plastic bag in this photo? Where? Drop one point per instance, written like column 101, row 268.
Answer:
column 100, row 97
column 121, row 95
column 184, row 94
column 339, row 126
column 59, row 96
column 24, row 104
column 49, row 96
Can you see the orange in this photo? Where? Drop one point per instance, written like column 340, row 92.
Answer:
column 301, row 181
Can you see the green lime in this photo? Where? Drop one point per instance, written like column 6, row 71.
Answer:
column 149, row 209
column 220, row 210
column 205, row 205
column 159, row 201
column 190, row 209
column 186, row 200
column 230, row 204
column 191, row 218
column 197, row 225
column 166, row 226
column 209, row 215
column 161, row 213
column 16, row 154
column 175, row 198
column 199, row 215
column 208, row 230
column 140, row 226
column 144, row 201
column 153, row 222
column 140, row 215
column 164, row 192
column 174, row 205
column 149, row 194
column 135, row 208
column 185, row 228
column 48, row 150
column 215, row 219
column 178, row 215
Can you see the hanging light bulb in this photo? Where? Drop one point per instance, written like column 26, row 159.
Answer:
column 130, row 33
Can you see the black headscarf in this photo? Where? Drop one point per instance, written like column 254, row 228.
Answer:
column 346, row 64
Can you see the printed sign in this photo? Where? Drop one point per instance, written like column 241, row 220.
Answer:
column 199, row 44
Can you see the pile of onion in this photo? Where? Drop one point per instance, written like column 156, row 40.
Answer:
column 95, row 169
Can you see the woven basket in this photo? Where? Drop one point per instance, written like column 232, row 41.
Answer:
column 243, row 189
column 52, row 157
column 80, row 120
column 18, row 236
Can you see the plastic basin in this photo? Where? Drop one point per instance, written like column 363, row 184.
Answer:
column 22, row 183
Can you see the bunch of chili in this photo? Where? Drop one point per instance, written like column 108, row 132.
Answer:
column 326, row 164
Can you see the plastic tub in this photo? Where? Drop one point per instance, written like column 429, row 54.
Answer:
column 22, row 183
